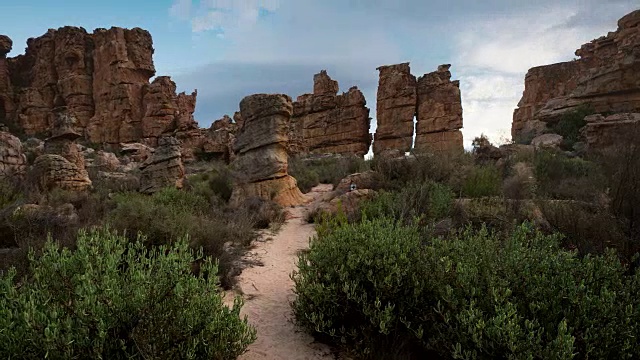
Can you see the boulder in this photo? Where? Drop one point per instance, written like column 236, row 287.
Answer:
column 364, row 180
column 164, row 168
column 13, row 161
column 52, row 171
column 547, row 141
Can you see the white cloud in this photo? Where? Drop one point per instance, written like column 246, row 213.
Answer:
column 181, row 9
column 495, row 54
column 222, row 16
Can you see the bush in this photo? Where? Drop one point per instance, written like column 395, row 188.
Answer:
column 114, row 299
column 472, row 296
column 310, row 172
column 171, row 214
column 216, row 182
column 570, row 124
column 414, row 202
column 560, row 177
column 484, row 180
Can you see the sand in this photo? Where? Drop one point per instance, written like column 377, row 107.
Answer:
column 267, row 291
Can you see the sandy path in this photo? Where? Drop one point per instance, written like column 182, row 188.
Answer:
column 267, row 291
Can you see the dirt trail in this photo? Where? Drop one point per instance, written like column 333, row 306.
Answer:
column 267, row 291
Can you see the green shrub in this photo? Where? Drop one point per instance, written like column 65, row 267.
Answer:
column 310, row 172
column 305, row 175
column 114, row 299
column 472, row 296
column 484, row 180
column 570, row 124
column 9, row 192
column 171, row 214
column 215, row 182
column 560, row 177
column 413, row 202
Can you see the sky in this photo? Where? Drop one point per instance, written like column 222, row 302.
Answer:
column 228, row 49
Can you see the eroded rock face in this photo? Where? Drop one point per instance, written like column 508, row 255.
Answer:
column 433, row 100
column 164, row 168
column 54, row 171
column 260, row 168
column 101, row 79
column 324, row 122
column 605, row 78
column 395, row 109
column 439, row 112
column 604, row 132
column 12, row 159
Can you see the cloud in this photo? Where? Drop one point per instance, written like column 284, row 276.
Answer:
column 222, row 16
column 494, row 55
column 277, row 46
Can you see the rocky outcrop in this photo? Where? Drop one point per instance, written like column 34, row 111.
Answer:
column 325, row 122
column 99, row 78
column 12, row 159
column 605, row 78
column 260, row 168
column 395, row 109
column 605, row 132
column 433, row 100
column 164, row 168
column 62, row 165
column 52, row 171
column 6, row 93
column 439, row 112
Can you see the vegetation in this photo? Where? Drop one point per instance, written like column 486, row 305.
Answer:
column 378, row 284
column 311, row 171
column 112, row 298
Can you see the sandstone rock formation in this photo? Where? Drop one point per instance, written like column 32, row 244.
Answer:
column 605, row 78
column 395, row 109
column 604, row 132
column 99, row 78
column 439, row 112
column 62, row 165
column 433, row 99
column 324, row 122
column 260, row 168
column 12, row 160
column 164, row 168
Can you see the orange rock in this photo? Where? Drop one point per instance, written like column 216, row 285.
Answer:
column 395, row 109
column 606, row 78
column 324, row 122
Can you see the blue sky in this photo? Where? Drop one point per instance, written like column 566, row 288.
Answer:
column 228, row 49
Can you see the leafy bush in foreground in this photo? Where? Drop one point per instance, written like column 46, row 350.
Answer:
column 114, row 299
column 473, row 296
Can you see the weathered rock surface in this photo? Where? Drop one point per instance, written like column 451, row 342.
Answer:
column 604, row 132
column 605, row 78
column 433, row 100
column 324, row 122
column 54, row 171
column 102, row 80
column 164, row 168
column 439, row 112
column 547, row 141
column 395, row 109
column 12, row 159
column 260, row 168
column 364, row 180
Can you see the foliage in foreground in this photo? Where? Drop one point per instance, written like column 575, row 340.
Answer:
column 114, row 299
column 473, row 296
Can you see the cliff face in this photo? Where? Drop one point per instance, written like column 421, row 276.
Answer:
column 433, row 99
column 324, row 122
column 100, row 78
column 606, row 78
